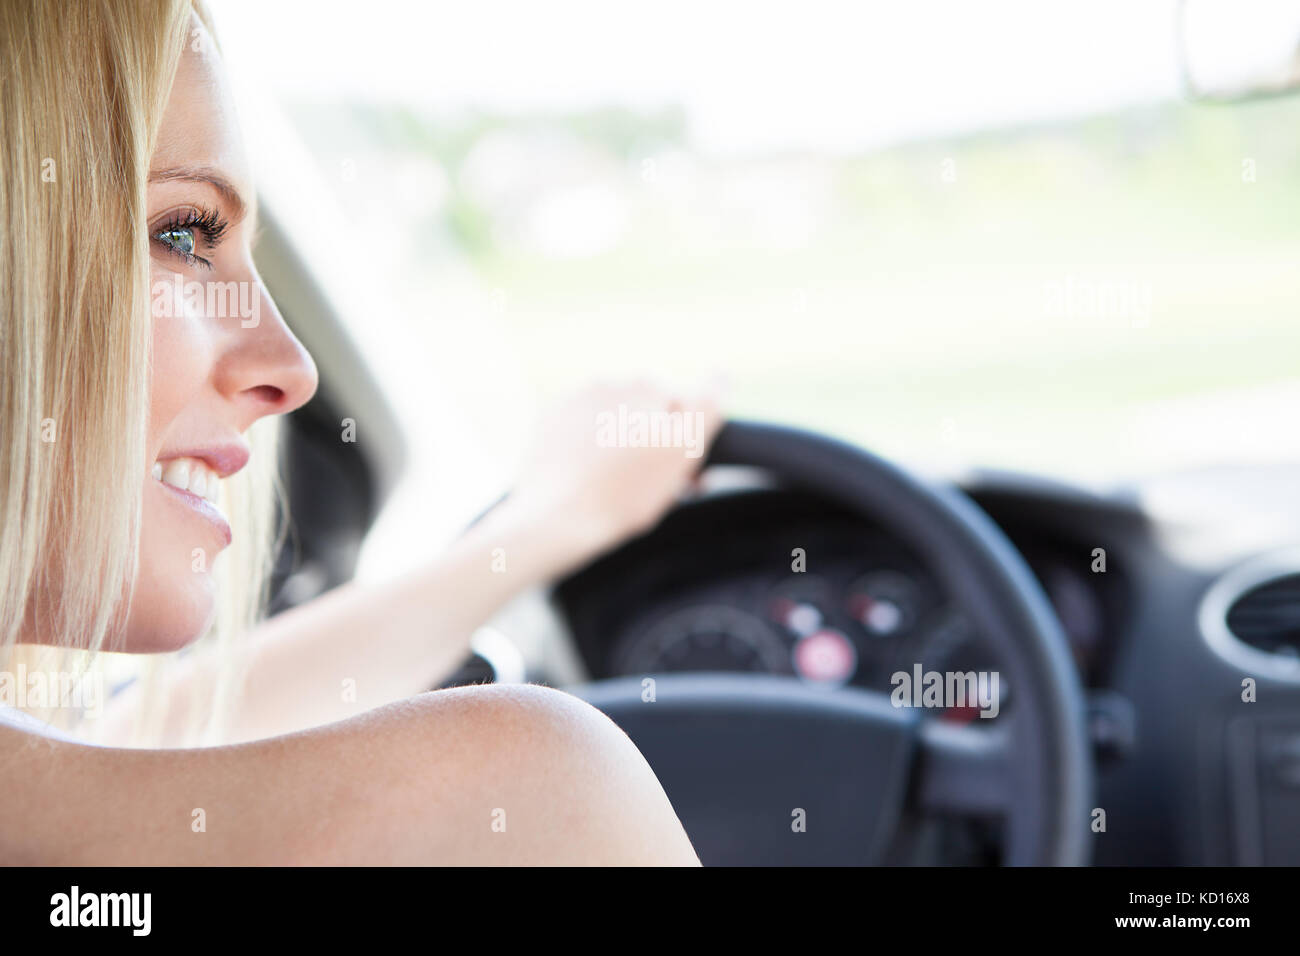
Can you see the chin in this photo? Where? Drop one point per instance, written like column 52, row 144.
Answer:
column 168, row 618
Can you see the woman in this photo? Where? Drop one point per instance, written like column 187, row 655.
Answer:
column 129, row 415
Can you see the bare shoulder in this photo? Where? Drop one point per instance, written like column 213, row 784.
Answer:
column 511, row 774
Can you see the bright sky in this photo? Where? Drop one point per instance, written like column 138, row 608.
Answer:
column 810, row 74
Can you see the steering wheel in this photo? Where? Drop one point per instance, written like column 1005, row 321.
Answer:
column 767, row 769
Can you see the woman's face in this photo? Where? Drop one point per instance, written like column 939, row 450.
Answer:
column 222, row 355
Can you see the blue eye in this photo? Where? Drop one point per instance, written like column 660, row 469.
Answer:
column 180, row 240
column 185, row 234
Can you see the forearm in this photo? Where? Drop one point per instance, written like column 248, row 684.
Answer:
column 359, row 647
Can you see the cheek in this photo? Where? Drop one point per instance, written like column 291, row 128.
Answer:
column 174, row 595
column 181, row 354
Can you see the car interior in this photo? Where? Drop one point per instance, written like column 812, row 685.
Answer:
column 1126, row 611
column 1146, row 630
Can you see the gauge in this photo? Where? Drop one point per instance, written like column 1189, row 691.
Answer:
column 826, row 656
column 706, row 638
column 885, row 603
column 801, row 618
column 796, row 605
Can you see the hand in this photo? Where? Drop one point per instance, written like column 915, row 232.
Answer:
column 611, row 461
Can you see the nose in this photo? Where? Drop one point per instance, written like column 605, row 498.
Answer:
column 263, row 368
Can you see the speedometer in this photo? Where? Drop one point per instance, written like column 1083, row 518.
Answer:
column 705, row 638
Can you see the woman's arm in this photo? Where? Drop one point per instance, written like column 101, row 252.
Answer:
column 362, row 646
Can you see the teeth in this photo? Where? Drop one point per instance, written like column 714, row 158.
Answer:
column 189, row 474
column 177, row 474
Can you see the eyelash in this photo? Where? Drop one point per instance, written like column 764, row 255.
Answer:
column 207, row 222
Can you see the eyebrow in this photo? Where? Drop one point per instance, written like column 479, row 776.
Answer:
column 239, row 207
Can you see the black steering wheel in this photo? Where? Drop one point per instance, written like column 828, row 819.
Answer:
column 769, row 770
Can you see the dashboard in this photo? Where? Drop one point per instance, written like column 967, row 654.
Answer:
column 1144, row 580
column 776, row 581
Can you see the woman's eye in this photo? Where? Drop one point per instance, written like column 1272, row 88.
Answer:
column 179, row 240
column 187, row 231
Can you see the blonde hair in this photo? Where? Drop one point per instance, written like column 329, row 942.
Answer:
column 83, row 88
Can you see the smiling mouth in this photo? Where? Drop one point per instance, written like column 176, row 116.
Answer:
column 193, row 482
column 189, row 474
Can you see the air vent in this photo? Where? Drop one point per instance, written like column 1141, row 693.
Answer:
column 1250, row 617
column 1268, row 616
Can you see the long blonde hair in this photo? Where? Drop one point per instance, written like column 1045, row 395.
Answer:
column 83, row 88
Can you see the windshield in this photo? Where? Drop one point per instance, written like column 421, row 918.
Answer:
column 964, row 234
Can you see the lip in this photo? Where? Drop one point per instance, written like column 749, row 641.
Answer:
column 204, row 508
column 224, row 459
